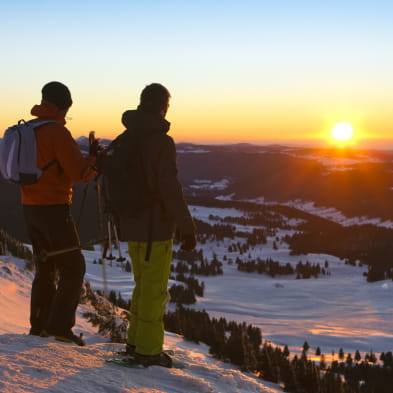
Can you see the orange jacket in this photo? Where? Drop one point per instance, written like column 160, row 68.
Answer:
column 54, row 141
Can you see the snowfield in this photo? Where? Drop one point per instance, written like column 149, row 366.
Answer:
column 341, row 310
column 36, row 364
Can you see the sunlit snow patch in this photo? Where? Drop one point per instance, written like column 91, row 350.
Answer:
column 210, row 185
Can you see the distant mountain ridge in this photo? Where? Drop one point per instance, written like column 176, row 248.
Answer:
column 357, row 183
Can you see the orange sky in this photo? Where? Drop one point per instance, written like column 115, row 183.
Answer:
column 248, row 72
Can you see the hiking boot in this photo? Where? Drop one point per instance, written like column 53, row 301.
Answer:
column 34, row 332
column 130, row 350
column 162, row 359
column 44, row 333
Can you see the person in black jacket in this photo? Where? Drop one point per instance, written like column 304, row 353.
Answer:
column 150, row 234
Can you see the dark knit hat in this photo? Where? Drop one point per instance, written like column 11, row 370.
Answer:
column 154, row 98
column 58, row 94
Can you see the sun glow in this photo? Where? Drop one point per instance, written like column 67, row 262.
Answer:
column 344, row 128
column 342, row 131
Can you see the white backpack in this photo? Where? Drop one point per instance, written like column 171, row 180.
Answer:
column 18, row 153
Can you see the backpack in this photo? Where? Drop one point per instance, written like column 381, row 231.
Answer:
column 18, row 153
column 125, row 187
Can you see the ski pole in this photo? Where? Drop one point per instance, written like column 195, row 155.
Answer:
column 111, row 257
column 101, row 229
column 121, row 258
column 82, row 204
column 92, row 152
column 44, row 255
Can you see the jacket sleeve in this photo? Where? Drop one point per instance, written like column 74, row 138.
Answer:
column 74, row 164
column 170, row 189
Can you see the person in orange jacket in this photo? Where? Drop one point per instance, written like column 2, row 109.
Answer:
column 58, row 280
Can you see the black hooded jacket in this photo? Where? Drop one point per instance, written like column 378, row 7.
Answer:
column 159, row 160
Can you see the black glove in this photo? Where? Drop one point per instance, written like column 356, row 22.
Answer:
column 95, row 146
column 188, row 241
column 100, row 160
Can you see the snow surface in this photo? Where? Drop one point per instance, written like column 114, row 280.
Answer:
column 192, row 150
column 335, row 215
column 36, row 364
column 337, row 163
column 203, row 184
column 330, row 213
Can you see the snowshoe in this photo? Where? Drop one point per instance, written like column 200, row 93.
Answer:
column 130, row 351
column 162, row 359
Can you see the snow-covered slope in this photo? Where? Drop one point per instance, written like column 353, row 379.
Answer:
column 35, row 364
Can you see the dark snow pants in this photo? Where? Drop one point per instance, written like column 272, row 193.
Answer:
column 58, row 280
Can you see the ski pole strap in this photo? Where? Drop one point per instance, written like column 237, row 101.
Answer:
column 44, row 255
column 149, row 236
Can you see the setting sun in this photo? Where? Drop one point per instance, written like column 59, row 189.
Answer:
column 342, row 131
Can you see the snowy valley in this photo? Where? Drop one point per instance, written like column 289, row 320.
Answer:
column 333, row 309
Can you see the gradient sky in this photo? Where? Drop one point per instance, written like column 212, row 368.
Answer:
column 251, row 71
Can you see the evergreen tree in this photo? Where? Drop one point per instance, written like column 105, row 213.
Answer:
column 322, row 362
column 341, row 354
column 387, row 359
column 234, row 348
column 112, row 297
column 349, row 360
column 128, row 267
column 372, row 358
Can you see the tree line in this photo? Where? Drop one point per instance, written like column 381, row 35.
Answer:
column 274, row 268
column 369, row 244
column 11, row 246
column 242, row 345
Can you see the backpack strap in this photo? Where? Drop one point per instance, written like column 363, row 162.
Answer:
column 133, row 133
column 48, row 165
column 39, row 124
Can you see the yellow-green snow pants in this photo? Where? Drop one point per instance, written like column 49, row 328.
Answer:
column 150, row 296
